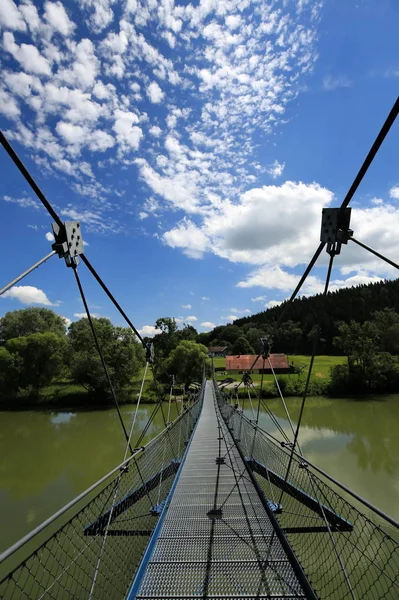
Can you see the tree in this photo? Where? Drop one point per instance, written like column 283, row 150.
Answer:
column 38, row 358
column 123, row 355
column 186, row 362
column 242, row 346
column 167, row 339
column 27, row 321
column 8, row 373
column 188, row 332
column 368, row 368
column 231, row 333
column 387, row 323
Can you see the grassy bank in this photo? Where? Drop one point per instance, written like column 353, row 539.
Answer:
column 292, row 383
column 67, row 394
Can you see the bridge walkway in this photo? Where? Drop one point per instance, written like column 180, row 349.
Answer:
column 216, row 539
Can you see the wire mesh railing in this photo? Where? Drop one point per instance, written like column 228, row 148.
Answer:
column 92, row 547
column 343, row 553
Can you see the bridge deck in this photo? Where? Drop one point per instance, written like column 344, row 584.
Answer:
column 217, row 540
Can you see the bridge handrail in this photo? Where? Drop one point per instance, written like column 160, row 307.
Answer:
column 343, row 487
column 29, row 536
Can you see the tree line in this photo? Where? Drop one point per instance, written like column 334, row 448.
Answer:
column 38, row 350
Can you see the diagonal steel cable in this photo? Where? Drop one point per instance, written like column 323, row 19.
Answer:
column 100, row 353
column 315, row 344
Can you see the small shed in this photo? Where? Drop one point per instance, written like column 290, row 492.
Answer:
column 243, row 362
column 217, row 351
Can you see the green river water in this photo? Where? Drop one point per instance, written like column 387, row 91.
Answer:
column 48, row 457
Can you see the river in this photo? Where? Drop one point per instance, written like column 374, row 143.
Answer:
column 48, row 457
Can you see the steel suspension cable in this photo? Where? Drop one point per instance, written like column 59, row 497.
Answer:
column 28, row 177
column 283, row 401
column 315, row 344
column 272, row 416
column 148, row 424
column 136, row 411
column 372, row 154
column 100, row 353
column 387, row 260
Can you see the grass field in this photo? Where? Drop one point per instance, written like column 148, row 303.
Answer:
column 321, row 368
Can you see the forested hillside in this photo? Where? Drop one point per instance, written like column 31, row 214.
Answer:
column 295, row 333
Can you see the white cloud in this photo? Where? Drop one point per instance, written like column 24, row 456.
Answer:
column 99, row 141
column 272, row 303
column 49, row 237
column 204, row 298
column 149, row 331
column 23, row 202
column 27, row 55
column 274, row 224
column 30, row 14
column 233, row 22
column 143, row 215
column 101, row 15
column 155, row 131
column 258, row 299
column 189, row 237
column 243, row 311
column 8, row 105
column 67, row 321
column 394, row 192
column 154, row 92
column 186, row 305
column 73, row 134
column 331, row 83
column 208, row 325
column 191, row 319
column 230, row 318
column 127, row 132
column 83, row 315
column 28, row 294
column 55, row 14
column 10, row 17
column 276, row 169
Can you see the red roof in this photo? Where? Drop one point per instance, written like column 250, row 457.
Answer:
column 243, row 362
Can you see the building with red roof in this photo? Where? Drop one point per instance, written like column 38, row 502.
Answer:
column 244, row 362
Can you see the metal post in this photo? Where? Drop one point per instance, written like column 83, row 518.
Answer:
column 25, row 273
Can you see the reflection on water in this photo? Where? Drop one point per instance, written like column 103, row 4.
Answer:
column 47, row 458
column 354, row 441
column 62, row 417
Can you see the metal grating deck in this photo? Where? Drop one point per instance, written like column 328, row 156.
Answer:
column 234, row 553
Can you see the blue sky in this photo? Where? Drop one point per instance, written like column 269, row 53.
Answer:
column 197, row 144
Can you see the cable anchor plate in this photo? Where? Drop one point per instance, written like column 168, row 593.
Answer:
column 335, row 228
column 68, row 242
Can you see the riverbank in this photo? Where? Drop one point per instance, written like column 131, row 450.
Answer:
column 50, row 456
column 66, row 395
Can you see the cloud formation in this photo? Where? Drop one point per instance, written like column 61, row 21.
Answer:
column 28, row 294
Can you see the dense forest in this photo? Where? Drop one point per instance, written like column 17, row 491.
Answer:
column 296, row 332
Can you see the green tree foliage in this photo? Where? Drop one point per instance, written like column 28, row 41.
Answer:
column 27, row 321
column 8, row 373
column 230, row 333
column 167, row 340
column 188, row 332
column 242, row 346
column 344, row 305
column 368, row 367
column 387, row 323
column 37, row 358
column 122, row 354
column 186, row 362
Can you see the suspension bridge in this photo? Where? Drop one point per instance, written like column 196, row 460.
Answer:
column 214, row 506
